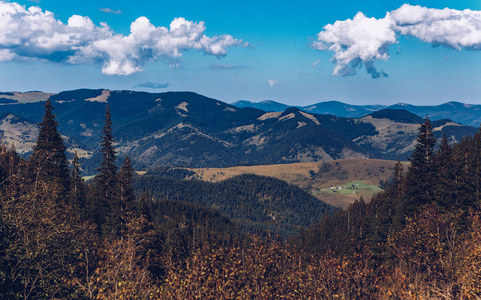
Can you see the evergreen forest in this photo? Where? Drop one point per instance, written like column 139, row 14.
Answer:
column 122, row 237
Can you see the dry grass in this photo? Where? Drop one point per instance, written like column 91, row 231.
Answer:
column 341, row 172
column 28, row 97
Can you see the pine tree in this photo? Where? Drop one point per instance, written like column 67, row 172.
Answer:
column 4, row 162
column 106, row 197
column 126, row 191
column 397, row 184
column 446, row 190
column 14, row 161
column 108, row 170
column 48, row 162
column 476, row 164
column 464, row 177
column 77, row 187
column 144, row 206
column 421, row 178
column 126, row 177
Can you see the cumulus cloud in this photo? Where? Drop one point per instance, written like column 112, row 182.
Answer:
column 271, row 82
column 153, row 85
column 34, row 34
column 111, row 11
column 363, row 40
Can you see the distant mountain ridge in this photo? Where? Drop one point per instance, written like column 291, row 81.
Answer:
column 466, row 114
column 190, row 130
column 335, row 108
column 266, row 105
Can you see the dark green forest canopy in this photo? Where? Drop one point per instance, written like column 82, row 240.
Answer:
column 256, row 203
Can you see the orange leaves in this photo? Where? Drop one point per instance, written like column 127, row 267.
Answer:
column 265, row 270
column 122, row 271
column 471, row 273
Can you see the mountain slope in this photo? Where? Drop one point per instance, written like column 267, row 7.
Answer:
column 191, row 130
column 396, row 132
column 19, row 131
column 187, row 129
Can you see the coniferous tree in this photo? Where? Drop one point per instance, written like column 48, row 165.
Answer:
column 48, row 162
column 106, row 196
column 397, row 184
column 446, row 184
column 4, row 162
column 126, row 177
column 144, row 206
column 421, row 178
column 126, row 193
column 107, row 178
column 77, row 187
column 465, row 179
column 14, row 161
column 476, row 163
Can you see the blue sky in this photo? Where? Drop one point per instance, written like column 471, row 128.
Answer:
column 270, row 51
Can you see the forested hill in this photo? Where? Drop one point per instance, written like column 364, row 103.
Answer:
column 258, row 204
column 397, row 115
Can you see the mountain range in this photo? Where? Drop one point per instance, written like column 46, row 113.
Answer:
column 191, row 130
column 466, row 114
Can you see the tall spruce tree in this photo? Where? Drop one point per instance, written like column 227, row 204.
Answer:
column 126, row 177
column 106, row 182
column 421, row 178
column 78, row 190
column 465, row 176
column 446, row 190
column 126, row 193
column 48, row 162
column 397, row 184
column 476, row 163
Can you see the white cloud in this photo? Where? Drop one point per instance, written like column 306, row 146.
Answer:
column 34, row 34
column 111, row 11
column 447, row 27
column 364, row 40
column 272, row 83
column 316, row 62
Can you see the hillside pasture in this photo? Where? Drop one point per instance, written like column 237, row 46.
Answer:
column 317, row 177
